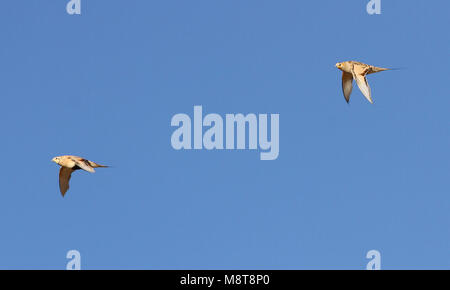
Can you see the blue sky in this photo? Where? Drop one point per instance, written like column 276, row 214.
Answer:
column 105, row 85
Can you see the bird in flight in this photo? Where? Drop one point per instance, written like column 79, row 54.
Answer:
column 69, row 164
column 357, row 71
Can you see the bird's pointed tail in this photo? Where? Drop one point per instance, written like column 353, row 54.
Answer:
column 397, row 68
column 96, row 165
column 375, row 69
column 378, row 69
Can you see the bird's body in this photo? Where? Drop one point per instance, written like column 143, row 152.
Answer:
column 357, row 71
column 69, row 164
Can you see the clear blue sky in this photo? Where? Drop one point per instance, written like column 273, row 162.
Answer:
column 105, row 85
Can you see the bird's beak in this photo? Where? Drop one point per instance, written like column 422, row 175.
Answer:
column 54, row 160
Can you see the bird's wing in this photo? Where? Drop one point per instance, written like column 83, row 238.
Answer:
column 83, row 164
column 64, row 177
column 347, row 85
column 359, row 74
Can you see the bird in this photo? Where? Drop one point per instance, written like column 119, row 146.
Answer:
column 357, row 71
column 69, row 164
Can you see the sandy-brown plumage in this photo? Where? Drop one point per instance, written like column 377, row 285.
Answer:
column 357, row 71
column 69, row 164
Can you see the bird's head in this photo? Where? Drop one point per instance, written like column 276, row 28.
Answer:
column 339, row 65
column 56, row 160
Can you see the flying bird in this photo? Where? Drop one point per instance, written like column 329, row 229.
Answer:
column 357, row 71
column 69, row 164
